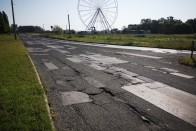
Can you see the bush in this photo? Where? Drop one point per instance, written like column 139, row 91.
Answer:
column 188, row 61
column 79, row 35
column 140, row 36
column 57, row 29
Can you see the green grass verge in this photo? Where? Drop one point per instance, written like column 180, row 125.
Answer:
column 180, row 42
column 22, row 105
column 188, row 61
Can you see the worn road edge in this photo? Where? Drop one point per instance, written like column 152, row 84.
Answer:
column 45, row 97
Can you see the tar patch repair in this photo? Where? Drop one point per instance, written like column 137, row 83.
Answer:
column 51, row 66
column 74, row 97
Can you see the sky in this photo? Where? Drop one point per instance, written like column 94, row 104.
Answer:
column 46, row 13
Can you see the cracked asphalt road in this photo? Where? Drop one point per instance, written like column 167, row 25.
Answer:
column 110, row 88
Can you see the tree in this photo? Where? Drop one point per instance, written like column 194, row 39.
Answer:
column 162, row 21
column 132, row 27
column 30, row 29
column 1, row 23
column 145, row 21
column 57, row 29
column 145, row 24
column 72, row 32
column 168, row 25
column 170, row 19
column 183, row 29
column 114, row 31
column 192, row 22
column 4, row 23
column 125, row 30
column 155, row 26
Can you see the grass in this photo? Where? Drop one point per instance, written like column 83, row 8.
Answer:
column 188, row 61
column 180, row 42
column 22, row 105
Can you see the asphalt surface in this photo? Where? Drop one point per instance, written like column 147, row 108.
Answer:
column 104, row 87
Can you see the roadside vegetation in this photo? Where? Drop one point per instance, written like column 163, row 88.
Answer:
column 22, row 105
column 180, row 42
column 188, row 61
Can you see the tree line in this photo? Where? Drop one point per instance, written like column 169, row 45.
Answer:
column 167, row 25
column 4, row 23
column 29, row 29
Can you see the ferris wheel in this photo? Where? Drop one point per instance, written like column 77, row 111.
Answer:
column 98, row 15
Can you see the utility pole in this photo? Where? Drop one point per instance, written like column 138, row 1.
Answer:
column 69, row 27
column 13, row 20
column 192, row 48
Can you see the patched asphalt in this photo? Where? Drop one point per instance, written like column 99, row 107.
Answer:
column 84, row 85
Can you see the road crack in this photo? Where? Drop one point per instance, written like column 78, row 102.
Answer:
column 147, row 120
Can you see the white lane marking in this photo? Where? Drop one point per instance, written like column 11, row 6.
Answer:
column 70, row 47
column 90, row 53
column 104, row 59
column 51, row 66
column 176, row 102
column 138, row 55
column 40, row 50
column 182, row 75
column 97, row 67
column 160, row 87
column 147, row 80
column 165, row 62
column 178, row 95
column 124, row 71
column 170, row 70
column 131, row 78
column 175, row 107
column 151, row 67
column 62, row 51
column 96, row 59
column 55, row 46
column 75, row 60
column 94, row 82
column 157, row 50
column 155, row 85
column 159, row 71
